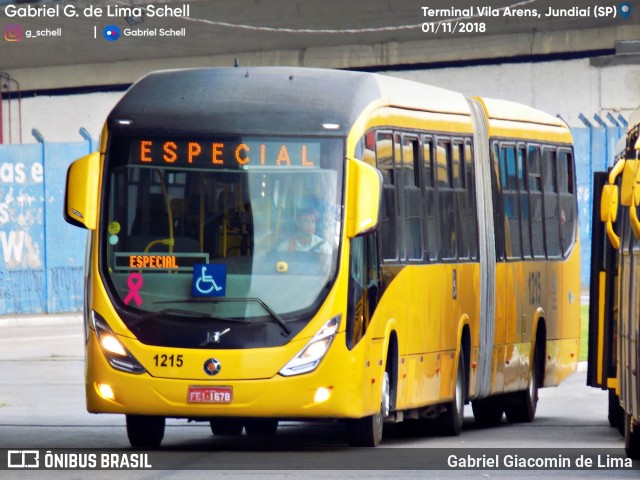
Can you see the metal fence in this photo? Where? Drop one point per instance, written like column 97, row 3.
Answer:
column 42, row 257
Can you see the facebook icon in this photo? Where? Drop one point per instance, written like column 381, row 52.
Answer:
column 209, row 280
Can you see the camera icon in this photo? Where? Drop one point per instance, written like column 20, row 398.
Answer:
column 13, row 33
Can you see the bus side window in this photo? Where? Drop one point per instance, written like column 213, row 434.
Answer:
column 470, row 217
column 566, row 192
column 431, row 226
column 509, row 183
column 359, row 153
column 551, row 213
column 535, row 201
column 366, row 149
column 401, row 180
column 446, row 200
column 498, row 213
column 460, row 198
column 525, row 217
column 388, row 207
column 412, row 197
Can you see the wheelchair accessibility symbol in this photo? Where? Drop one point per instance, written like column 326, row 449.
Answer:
column 209, row 280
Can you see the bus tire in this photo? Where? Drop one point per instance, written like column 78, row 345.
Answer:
column 631, row 439
column 522, row 408
column 488, row 411
column 145, row 431
column 226, row 426
column 449, row 423
column 261, row 427
column 367, row 431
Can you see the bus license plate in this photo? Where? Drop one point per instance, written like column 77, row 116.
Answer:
column 210, row 394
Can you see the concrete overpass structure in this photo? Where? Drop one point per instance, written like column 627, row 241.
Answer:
column 373, row 34
column 534, row 59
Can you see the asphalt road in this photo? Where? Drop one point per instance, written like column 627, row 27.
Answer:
column 42, row 406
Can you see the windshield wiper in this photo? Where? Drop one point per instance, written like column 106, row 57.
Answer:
column 279, row 320
column 277, row 317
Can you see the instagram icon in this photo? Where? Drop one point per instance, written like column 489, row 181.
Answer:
column 13, row 33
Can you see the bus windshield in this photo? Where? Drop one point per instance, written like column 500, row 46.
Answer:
column 227, row 228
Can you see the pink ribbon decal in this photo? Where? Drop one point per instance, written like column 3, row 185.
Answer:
column 134, row 282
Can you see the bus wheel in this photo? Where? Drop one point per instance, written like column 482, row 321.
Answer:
column 226, row 426
column 523, row 406
column 261, row 427
column 450, row 422
column 488, row 411
column 145, row 431
column 367, row 431
column 631, row 439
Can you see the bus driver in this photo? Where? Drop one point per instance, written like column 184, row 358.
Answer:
column 305, row 239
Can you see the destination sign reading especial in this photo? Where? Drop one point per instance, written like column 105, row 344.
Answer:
column 226, row 154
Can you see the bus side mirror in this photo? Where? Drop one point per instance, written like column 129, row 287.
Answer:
column 609, row 203
column 364, row 192
column 609, row 212
column 81, row 193
column 630, row 194
column 628, row 178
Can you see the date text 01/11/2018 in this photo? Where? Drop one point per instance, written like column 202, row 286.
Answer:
column 454, row 27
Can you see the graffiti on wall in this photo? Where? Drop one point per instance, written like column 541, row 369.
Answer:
column 22, row 291
column 67, row 288
column 21, row 214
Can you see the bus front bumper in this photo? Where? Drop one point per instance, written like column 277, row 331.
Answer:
column 324, row 393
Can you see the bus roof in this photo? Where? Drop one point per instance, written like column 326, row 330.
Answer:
column 517, row 112
column 267, row 100
column 514, row 120
column 419, row 96
column 261, row 100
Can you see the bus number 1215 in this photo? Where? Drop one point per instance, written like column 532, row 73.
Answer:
column 168, row 360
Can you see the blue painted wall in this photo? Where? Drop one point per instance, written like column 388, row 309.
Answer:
column 42, row 257
column 594, row 150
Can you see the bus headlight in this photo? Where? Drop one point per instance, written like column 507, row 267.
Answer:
column 118, row 356
column 313, row 352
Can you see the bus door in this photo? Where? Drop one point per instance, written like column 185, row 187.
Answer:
column 601, row 368
column 364, row 287
column 603, row 308
column 511, row 178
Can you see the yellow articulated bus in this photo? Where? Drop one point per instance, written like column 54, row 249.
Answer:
column 614, row 310
column 287, row 243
